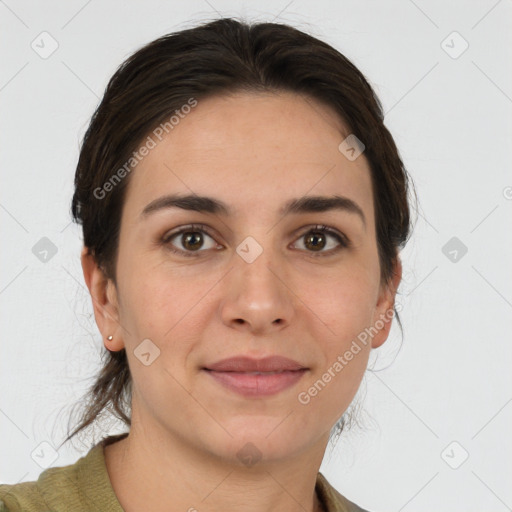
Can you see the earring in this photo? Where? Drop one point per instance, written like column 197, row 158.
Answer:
column 109, row 338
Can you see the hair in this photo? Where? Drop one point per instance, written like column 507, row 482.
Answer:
column 217, row 58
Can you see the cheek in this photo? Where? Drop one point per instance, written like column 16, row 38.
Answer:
column 343, row 359
column 345, row 305
column 344, row 300
column 154, row 300
column 348, row 314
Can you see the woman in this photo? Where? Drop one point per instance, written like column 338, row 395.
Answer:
column 243, row 207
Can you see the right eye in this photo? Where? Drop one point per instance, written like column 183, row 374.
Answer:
column 191, row 238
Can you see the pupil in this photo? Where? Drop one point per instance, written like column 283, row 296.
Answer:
column 192, row 240
column 313, row 240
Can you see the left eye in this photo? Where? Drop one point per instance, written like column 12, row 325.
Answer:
column 317, row 239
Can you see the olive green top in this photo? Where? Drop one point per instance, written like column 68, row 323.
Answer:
column 85, row 486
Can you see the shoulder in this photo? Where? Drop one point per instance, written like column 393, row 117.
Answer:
column 332, row 500
column 82, row 486
column 56, row 483
column 24, row 497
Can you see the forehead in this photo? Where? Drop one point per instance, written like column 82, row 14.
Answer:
column 251, row 151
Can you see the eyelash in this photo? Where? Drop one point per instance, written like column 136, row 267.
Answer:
column 319, row 228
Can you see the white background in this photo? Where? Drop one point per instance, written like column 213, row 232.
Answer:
column 451, row 119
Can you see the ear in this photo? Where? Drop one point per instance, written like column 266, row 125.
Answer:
column 104, row 300
column 382, row 319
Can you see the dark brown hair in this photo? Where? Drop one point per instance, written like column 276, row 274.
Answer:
column 220, row 57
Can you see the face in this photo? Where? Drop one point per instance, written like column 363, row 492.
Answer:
column 251, row 281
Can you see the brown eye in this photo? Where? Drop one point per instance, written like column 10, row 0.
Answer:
column 315, row 241
column 318, row 238
column 192, row 240
column 189, row 240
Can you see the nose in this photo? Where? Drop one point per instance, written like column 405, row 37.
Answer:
column 257, row 298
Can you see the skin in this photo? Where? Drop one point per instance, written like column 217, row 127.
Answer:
column 186, row 428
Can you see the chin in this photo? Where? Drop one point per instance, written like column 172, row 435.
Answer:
column 267, row 439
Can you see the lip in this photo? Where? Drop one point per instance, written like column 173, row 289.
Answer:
column 276, row 374
column 249, row 364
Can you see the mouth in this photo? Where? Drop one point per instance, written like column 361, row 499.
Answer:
column 255, row 365
column 257, row 384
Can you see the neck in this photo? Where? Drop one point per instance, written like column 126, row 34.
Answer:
column 158, row 471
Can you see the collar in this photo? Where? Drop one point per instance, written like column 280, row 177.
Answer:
column 90, row 485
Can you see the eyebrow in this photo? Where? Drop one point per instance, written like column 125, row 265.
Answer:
column 203, row 204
